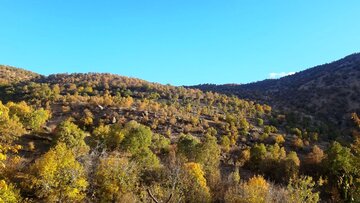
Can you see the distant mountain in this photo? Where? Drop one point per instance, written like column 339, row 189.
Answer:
column 330, row 91
column 10, row 74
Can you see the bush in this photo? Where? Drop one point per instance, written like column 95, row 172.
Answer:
column 225, row 143
column 270, row 129
column 298, row 143
column 260, row 122
column 279, row 139
column 296, row 131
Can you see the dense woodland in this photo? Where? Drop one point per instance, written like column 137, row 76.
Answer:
column 106, row 138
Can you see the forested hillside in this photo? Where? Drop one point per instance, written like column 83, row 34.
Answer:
column 107, row 138
column 329, row 92
column 10, row 74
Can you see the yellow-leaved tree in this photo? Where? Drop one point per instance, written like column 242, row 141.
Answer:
column 10, row 127
column 31, row 118
column 116, row 179
column 256, row 190
column 58, row 177
column 195, row 188
column 8, row 193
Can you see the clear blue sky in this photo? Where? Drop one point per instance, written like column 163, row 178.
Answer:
column 181, row 42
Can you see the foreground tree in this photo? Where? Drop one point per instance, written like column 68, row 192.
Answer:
column 137, row 141
column 194, row 184
column 58, row 177
column 302, row 190
column 342, row 173
column 209, row 156
column 116, row 179
column 37, row 119
column 8, row 194
column 10, row 127
column 256, row 190
column 136, row 137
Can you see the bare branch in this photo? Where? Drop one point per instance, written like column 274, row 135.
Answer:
column 169, row 198
column 157, row 201
column 152, row 196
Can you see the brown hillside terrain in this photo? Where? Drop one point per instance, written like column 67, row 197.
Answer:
column 157, row 128
column 10, row 74
column 330, row 91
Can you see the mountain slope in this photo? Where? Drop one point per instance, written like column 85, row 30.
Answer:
column 330, row 91
column 158, row 130
column 10, row 74
column 108, row 98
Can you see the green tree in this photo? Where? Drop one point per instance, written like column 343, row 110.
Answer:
column 209, row 153
column 340, row 167
column 137, row 137
column 257, row 154
column 37, row 119
column 225, row 143
column 160, row 143
column 302, row 190
column 209, row 157
column 291, row 166
column 137, row 140
column 70, row 134
column 260, row 122
column 146, row 159
column 187, row 147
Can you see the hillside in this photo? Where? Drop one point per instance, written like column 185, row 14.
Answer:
column 104, row 137
column 10, row 74
column 330, row 91
column 164, row 108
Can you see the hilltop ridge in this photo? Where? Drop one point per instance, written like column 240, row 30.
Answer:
column 330, row 91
